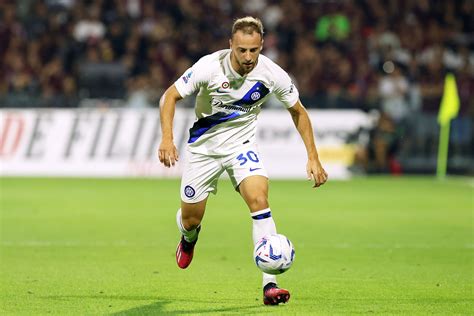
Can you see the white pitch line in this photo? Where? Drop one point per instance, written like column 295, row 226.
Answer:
column 124, row 243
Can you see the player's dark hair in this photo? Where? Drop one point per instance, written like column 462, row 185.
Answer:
column 248, row 25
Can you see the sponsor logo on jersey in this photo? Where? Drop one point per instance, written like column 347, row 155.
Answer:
column 187, row 77
column 236, row 108
column 247, row 103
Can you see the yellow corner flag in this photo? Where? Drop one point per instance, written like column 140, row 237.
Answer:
column 447, row 111
column 450, row 102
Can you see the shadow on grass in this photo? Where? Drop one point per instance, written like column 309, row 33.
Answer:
column 158, row 307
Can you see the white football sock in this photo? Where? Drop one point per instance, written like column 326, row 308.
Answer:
column 189, row 235
column 263, row 224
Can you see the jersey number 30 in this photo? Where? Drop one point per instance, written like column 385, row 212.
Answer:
column 250, row 156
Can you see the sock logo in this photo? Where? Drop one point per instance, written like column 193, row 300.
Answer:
column 189, row 191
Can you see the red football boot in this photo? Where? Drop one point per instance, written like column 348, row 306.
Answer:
column 273, row 295
column 185, row 251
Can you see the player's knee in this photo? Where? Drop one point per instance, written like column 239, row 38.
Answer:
column 258, row 203
column 191, row 222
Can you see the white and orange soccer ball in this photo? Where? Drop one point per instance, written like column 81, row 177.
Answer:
column 274, row 254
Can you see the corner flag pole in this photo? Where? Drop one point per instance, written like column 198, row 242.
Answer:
column 443, row 146
column 448, row 110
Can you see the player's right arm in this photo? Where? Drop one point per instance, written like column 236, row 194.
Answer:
column 167, row 152
column 190, row 82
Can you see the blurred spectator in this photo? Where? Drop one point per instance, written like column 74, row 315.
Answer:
column 389, row 57
column 333, row 26
column 139, row 94
column 393, row 91
column 89, row 27
column 383, row 145
column 333, row 49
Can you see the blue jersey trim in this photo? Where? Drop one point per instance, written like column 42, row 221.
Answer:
column 204, row 124
column 256, row 93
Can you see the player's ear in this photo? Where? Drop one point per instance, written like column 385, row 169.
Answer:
column 230, row 43
column 261, row 45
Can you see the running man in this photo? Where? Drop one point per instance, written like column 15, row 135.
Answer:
column 232, row 84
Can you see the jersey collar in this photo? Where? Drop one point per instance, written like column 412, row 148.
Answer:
column 235, row 73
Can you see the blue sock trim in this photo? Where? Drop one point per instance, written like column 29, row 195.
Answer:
column 263, row 216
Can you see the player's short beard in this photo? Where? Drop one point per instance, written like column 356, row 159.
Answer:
column 241, row 63
column 254, row 64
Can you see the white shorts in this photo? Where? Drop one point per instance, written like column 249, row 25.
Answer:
column 201, row 172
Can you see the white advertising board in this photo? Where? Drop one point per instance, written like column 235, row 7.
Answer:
column 124, row 142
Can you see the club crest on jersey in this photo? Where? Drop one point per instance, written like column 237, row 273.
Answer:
column 189, row 191
column 255, row 96
column 187, row 77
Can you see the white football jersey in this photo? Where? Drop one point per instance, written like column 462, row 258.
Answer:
column 227, row 104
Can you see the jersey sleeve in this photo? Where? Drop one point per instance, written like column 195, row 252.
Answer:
column 285, row 90
column 193, row 78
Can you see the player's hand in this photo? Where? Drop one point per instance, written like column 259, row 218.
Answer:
column 316, row 172
column 167, row 153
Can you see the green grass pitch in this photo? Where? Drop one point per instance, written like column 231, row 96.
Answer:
column 367, row 246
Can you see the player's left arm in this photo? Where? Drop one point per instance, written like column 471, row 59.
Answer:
column 303, row 124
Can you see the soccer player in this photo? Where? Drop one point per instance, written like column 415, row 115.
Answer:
column 232, row 84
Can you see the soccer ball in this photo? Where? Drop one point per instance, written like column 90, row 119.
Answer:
column 274, row 254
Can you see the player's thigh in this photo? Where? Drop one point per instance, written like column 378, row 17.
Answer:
column 249, row 177
column 244, row 163
column 254, row 191
column 200, row 176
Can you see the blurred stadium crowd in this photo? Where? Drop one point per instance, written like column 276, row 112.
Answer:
column 388, row 55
